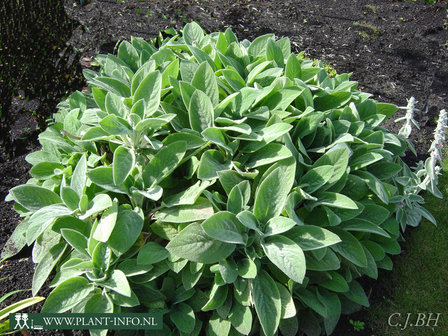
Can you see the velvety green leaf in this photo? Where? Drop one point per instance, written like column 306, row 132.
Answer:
column 235, row 202
column 258, row 45
column 286, row 255
column 98, row 204
column 375, row 185
column 101, row 256
column 335, row 200
column 316, row 178
column 114, row 105
column 387, row 109
column 67, row 295
column 225, row 226
column 218, row 296
column 204, row 79
column 151, row 253
column 171, row 70
column 274, row 53
column 194, row 244
column 117, row 282
column 267, row 302
column 332, row 100
column 163, row 163
column 211, row 163
column 183, row 317
column 99, row 304
column 129, row 54
column 217, row 137
column 190, row 278
column 16, row 240
column 189, row 195
column 362, row 225
column 289, row 327
column 76, row 240
column 241, row 318
column 357, row 294
column 371, row 270
column 46, row 265
column 247, row 268
column 310, row 237
column 267, row 77
column 355, row 187
column 384, row 170
column 271, row 196
column 115, row 125
column 267, row 155
column 309, row 298
column 154, row 123
column 192, row 140
column 107, row 223
column 229, row 179
column 217, row 326
column 228, row 270
column 42, row 218
column 33, row 197
column 293, row 68
column 45, row 170
column 349, row 248
column 365, row 160
column 96, row 133
column 329, row 262
column 333, row 307
column 70, row 198
column 149, row 90
column 126, row 231
column 288, row 307
column 103, row 177
column 113, row 85
column 285, row 46
column 337, row 283
column 277, row 225
column 234, row 79
column 385, row 263
column 124, row 301
column 268, row 135
column 131, row 268
column 200, row 111
column 249, row 220
column 375, row 249
column 139, row 75
column 282, row 99
column 201, row 209
column 192, row 33
column 123, row 163
column 338, row 158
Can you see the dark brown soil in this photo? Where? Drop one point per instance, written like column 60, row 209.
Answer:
column 394, row 49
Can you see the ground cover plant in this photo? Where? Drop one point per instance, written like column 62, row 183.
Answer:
column 233, row 185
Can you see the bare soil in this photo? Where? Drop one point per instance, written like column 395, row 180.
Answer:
column 394, row 49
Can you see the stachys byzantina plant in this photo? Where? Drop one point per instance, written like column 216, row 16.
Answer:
column 232, row 185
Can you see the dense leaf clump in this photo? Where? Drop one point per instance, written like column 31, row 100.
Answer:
column 234, row 186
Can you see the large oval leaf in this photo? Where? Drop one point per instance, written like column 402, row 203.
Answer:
column 286, row 255
column 67, row 295
column 267, row 302
column 194, row 244
column 225, row 226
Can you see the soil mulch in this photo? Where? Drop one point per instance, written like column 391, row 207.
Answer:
column 394, row 49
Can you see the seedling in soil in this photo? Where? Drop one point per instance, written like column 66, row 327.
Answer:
column 357, row 325
column 369, row 31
